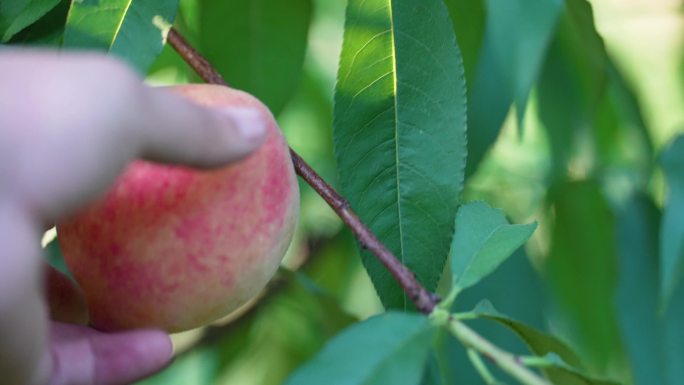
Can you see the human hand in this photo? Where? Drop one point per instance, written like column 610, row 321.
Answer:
column 69, row 123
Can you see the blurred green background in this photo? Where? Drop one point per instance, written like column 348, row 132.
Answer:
column 588, row 144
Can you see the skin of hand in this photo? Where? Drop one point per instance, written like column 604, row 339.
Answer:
column 69, row 123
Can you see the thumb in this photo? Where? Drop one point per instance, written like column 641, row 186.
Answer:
column 201, row 125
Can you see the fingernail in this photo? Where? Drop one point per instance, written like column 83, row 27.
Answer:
column 248, row 122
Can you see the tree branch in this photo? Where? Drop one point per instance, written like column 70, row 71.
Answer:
column 424, row 301
column 421, row 297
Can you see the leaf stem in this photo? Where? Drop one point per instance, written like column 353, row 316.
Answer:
column 504, row 360
column 481, row 367
column 421, row 297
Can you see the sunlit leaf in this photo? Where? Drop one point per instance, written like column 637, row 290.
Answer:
column 400, row 123
column 257, row 45
column 387, row 349
column 483, row 239
column 134, row 30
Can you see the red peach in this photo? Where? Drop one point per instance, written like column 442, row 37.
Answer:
column 176, row 248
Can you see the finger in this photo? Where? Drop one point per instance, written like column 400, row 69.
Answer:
column 65, row 299
column 23, row 319
column 84, row 356
column 218, row 126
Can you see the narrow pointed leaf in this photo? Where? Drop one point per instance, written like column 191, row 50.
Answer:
column 482, row 241
column 562, row 373
column 399, row 121
column 134, row 30
column 257, row 45
column 673, row 338
column 537, row 341
column 387, row 349
column 583, row 249
column 18, row 14
column 582, row 92
column 514, row 46
column 469, row 20
column 637, row 292
column 562, row 364
column 672, row 234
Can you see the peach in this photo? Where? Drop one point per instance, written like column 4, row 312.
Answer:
column 175, row 248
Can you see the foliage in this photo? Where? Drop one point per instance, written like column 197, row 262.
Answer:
column 435, row 107
column 400, row 68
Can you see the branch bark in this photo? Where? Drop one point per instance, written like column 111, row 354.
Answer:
column 421, row 297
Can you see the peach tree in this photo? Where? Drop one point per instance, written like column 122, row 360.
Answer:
column 434, row 108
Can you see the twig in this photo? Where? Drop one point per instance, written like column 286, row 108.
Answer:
column 194, row 59
column 421, row 297
column 481, row 368
column 503, row 359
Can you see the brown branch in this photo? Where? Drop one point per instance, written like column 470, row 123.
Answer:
column 194, row 59
column 421, row 297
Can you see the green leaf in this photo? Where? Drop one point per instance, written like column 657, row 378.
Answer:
column 400, row 123
column 47, row 31
column 671, row 253
column 289, row 325
column 672, row 234
column 482, row 241
column 16, row 15
column 514, row 279
column 673, row 338
column 443, row 361
column 582, row 267
column 134, row 30
column 257, row 45
column 582, row 95
column 537, row 341
column 53, row 255
column 637, row 293
column 565, row 374
column 510, row 59
column 387, row 349
column 469, row 19
column 556, row 353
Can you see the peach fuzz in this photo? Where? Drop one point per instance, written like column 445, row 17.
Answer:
column 175, row 248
